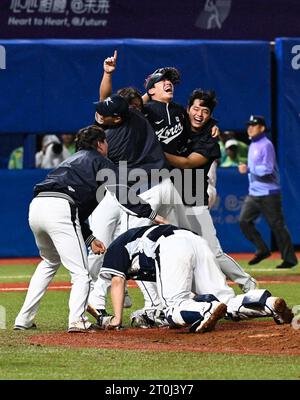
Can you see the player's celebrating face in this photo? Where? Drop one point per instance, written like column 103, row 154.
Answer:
column 162, row 91
column 198, row 114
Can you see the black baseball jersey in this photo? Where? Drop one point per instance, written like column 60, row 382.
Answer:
column 134, row 141
column 75, row 180
column 203, row 143
column 131, row 257
column 169, row 122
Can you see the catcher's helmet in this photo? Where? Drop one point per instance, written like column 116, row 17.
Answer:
column 158, row 75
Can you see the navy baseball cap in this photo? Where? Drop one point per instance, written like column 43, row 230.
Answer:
column 256, row 120
column 158, row 75
column 113, row 106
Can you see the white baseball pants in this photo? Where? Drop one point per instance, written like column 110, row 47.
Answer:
column 201, row 223
column 186, row 264
column 166, row 201
column 60, row 241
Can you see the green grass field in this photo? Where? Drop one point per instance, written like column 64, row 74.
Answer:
column 20, row 360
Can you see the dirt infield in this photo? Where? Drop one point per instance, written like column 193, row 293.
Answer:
column 259, row 337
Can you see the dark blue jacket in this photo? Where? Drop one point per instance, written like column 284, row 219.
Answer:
column 76, row 178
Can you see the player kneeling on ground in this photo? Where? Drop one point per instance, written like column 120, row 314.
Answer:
column 183, row 251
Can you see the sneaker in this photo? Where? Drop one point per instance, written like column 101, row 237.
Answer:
column 282, row 313
column 211, row 317
column 83, row 327
column 258, row 258
column 24, row 328
column 286, row 264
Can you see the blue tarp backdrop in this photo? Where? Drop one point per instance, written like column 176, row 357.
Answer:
column 50, row 85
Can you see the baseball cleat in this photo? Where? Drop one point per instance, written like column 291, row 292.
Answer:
column 282, row 314
column 24, row 328
column 141, row 321
column 216, row 312
column 83, row 327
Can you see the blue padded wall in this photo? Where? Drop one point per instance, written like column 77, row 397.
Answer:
column 288, row 119
column 50, row 85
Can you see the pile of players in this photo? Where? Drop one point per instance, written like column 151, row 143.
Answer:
column 178, row 264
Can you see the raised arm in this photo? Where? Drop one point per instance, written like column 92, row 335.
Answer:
column 109, row 66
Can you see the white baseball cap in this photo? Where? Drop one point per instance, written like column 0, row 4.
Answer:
column 231, row 142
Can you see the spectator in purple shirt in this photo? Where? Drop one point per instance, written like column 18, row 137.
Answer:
column 264, row 196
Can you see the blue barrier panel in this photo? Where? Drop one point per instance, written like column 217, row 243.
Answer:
column 49, row 85
column 288, row 61
column 17, row 239
column 21, row 87
column 228, row 67
column 232, row 187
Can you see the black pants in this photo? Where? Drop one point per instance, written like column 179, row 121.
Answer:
column 270, row 207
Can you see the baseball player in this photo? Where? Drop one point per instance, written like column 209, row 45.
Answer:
column 182, row 264
column 57, row 215
column 201, row 151
column 107, row 207
column 146, row 253
column 132, row 96
column 131, row 139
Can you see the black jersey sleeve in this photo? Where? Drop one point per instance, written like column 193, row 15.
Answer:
column 204, row 143
column 210, row 150
column 116, row 260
